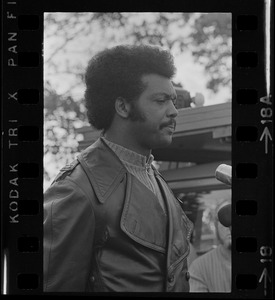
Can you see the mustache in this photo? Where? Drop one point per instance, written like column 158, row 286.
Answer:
column 172, row 122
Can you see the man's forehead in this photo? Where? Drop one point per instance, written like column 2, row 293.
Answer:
column 158, row 84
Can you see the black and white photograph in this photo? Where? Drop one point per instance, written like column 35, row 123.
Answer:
column 137, row 152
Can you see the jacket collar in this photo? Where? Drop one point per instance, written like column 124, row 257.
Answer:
column 103, row 168
column 130, row 156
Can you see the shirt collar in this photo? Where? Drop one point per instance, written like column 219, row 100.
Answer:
column 130, row 156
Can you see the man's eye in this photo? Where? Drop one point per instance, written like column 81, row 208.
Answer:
column 164, row 100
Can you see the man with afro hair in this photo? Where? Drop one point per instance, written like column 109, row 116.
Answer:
column 111, row 223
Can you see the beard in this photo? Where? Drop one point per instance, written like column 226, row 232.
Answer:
column 150, row 130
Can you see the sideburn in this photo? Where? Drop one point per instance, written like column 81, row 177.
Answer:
column 135, row 114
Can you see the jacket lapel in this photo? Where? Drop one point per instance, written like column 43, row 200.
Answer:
column 103, row 168
column 142, row 218
column 179, row 229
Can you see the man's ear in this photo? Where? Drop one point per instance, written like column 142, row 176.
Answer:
column 122, row 107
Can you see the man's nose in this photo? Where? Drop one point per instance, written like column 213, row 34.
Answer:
column 172, row 111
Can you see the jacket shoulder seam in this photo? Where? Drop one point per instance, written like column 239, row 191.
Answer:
column 83, row 191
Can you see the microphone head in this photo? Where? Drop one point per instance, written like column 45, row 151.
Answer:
column 224, row 174
column 224, row 215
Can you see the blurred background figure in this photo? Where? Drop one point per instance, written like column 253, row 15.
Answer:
column 211, row 272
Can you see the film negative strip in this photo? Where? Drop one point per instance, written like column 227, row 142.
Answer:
column 252, row 140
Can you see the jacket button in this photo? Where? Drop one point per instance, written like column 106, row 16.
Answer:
column 171, row 278
column 187, row 276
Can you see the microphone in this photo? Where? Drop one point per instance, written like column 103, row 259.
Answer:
column 224, row 174
column 224, row 215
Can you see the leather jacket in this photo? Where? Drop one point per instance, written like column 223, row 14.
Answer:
column 104, row 231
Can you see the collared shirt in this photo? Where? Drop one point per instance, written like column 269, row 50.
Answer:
column 139, row 166
column 211, row 272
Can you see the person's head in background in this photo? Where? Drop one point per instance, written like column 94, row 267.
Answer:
column 223, row 233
